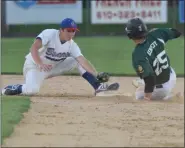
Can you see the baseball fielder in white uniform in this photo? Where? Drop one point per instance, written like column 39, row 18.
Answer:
column 53, row 53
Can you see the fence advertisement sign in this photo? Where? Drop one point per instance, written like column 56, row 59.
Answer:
column 119, row 11
column 42, row 11
column 181, row 11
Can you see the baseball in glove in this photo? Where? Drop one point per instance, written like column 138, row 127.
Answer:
column 103, row 77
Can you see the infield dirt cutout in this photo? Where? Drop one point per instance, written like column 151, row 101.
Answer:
column 80, row 119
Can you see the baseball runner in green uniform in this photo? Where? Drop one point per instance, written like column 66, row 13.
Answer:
column 150, row 60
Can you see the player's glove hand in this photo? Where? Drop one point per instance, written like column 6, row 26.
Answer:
column 45, row 67
column 103, row 77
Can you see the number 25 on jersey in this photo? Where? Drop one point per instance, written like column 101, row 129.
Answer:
column 160, row 62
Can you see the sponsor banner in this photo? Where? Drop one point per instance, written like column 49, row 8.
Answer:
column 181, row 11
column 42, row 11
column 119, row 11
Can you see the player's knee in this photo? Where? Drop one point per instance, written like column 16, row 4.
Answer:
column 72, row 63
column 140, row 89
column 139, row 94
column 31, row 90
column 139, row 97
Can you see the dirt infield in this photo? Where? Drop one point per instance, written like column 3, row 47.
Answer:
column 80, row 119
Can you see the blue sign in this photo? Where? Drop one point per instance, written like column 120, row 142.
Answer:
column 26, row 3
column 181, row 11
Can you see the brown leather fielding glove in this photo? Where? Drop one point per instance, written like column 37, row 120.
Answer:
column 103, row 77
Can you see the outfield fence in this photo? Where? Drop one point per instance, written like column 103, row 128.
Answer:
column 94, row 18
column 91, row 26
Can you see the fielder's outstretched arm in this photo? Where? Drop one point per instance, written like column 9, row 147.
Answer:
column 86, row 65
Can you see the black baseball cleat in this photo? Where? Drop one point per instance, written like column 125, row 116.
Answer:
column 11, row 90
column 106, row 87
column 114, row 86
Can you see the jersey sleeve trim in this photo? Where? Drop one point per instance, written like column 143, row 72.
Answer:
column 39, row 38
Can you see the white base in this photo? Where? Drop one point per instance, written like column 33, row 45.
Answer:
column 112, row 93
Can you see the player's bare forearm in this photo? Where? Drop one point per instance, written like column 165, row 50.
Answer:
column 34, row 51
column 86, row 65
column 35, row 54
column 95, row 72
column 148, row 96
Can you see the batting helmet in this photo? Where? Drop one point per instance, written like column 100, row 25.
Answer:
column 136, row 28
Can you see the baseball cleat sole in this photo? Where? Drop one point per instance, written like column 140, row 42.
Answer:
column 114, row 86
column 111, row 87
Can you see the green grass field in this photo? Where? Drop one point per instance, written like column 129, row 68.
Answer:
column 12, row 112
column 110, row 54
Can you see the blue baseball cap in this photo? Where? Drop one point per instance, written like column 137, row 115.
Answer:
column 69, row 24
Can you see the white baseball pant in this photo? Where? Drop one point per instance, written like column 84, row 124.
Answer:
column 160, row 93
column 34, row 77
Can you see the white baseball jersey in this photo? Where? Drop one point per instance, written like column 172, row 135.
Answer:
column 53, row 51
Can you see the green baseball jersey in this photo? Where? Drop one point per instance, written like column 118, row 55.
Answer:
column 150, row 58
